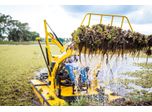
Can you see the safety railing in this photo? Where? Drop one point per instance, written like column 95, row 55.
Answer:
column 107, row 15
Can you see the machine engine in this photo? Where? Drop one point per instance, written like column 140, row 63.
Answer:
column 70, row 73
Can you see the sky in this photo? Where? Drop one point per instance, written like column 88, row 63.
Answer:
column 64, row 19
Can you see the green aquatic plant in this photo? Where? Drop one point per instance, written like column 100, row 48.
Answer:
column 108, row 40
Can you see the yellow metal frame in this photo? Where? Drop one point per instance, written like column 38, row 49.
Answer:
column 57, row 59
column 47, row 93
column 107, row 15
column 49, row 36
column 43, row 91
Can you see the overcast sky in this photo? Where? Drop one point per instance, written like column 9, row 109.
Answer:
column 64, row 19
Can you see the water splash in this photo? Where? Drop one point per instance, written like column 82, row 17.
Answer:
column 109, row 73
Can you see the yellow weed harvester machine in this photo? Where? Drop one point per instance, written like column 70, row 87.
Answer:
column 58, row 85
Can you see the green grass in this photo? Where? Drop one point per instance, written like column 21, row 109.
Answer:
column 17, row 66
column 144, row 80
column 141, row 96
column 18, row 43
column 88, row 101
column 144, row 65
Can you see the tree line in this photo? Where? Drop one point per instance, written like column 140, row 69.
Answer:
column 14, row 30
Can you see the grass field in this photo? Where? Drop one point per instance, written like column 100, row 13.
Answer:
column 144, row 79
column 17, row 43
column 17, row 66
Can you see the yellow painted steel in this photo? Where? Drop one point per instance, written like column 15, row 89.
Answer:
column 47, row 94
column 122, row 22
column 112, row 20
column 51, row 57
column 101, row 19
column 110, row 95
column 54, row 41
column 47, row 42
column 89, row 19
column 107, row 15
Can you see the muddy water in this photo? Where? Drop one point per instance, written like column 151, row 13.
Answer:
column 112, row 70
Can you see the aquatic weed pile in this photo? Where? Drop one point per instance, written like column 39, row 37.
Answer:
column 109, row 40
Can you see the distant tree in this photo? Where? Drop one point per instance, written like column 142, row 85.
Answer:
column 19, row 30
column 5, row 23
column 15, row 30
column 34, row 35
